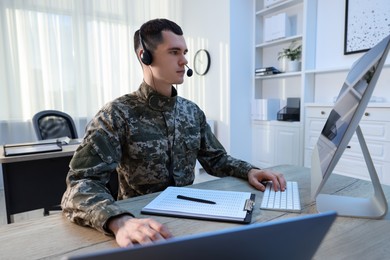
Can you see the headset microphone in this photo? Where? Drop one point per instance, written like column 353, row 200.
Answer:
column 189, row 71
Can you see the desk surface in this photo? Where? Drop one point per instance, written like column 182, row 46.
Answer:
column 67, row 150
column 349, row 238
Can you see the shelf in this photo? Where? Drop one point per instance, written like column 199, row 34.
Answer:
column 334, row 70
column 278, row 7
column 280, row 75
column 280, row 41
column 327, row 70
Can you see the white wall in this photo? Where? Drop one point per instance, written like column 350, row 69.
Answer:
column 330, row 35
column 330, row 54
column 225, row 29
column 241, row 76
column 206, row 26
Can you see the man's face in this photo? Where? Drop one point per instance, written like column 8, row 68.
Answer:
column 169, row 59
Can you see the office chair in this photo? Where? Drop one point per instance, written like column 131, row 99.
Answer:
column 51, row 124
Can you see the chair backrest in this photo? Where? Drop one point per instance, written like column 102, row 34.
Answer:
column 51, row 124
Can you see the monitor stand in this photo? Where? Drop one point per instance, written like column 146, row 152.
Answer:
column 374, row 207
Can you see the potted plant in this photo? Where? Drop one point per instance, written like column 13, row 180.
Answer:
column 291, row 57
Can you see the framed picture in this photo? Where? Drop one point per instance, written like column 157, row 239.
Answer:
column 367, row 22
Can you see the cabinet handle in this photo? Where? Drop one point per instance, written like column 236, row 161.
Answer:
column 367, row 114
column 323, row 113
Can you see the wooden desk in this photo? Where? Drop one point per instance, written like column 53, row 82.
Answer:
column 349, row 238
column 34, row 181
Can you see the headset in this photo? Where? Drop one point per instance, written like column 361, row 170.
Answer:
column 147, row 58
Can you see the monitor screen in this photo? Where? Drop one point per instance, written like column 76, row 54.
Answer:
column 346, row 114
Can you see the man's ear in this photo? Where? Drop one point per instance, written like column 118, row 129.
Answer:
column 139, row 54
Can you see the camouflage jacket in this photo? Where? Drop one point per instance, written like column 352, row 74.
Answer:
column 152, row 141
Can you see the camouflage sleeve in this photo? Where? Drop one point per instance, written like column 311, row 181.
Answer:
column 86, row 200
column 214, row 159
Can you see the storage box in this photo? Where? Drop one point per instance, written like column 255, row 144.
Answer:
column 291, row 112
column 276, row 27
column 265, row 109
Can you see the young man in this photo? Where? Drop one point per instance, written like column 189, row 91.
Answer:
column 152, row 138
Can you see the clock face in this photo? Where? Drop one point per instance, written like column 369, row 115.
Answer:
column 201, row 62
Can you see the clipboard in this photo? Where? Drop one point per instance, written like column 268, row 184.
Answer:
column 228, row 206
column 31, row 148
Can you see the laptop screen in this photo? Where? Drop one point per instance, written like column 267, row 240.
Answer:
column 299, row 238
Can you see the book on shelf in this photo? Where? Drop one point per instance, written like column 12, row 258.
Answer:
column 266, row 71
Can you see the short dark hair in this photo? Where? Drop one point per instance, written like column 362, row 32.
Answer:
column 151, row 33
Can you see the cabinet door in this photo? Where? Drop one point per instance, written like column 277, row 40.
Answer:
column 375, row 126
column 287, row 145
column 263, row 145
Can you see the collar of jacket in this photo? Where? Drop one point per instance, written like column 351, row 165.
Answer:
column 155, row 100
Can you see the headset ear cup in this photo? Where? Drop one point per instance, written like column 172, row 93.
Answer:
column 146, row 57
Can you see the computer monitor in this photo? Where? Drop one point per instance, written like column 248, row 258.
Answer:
column 339, row 128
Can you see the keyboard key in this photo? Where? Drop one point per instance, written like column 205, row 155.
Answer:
column 287, row 200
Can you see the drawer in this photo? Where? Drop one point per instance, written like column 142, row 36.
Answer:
column 370, row 114
column 372, row 131
column 358, row 169
column 379, row 151
column 318, row 112
column 375, row 130
column 377, row 114
column 315, row 124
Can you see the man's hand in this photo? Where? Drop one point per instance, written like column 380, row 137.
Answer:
column 129, row 230
column 256, row 177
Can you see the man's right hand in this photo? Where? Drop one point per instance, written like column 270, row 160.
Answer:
column 129, row 230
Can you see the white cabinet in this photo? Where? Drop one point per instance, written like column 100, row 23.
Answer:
column 375, row 125
column 276, row 143
column 319, row 25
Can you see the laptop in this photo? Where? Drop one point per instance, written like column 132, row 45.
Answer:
column 292, row 238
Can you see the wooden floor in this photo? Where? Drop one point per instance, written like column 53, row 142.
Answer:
column 201, row 177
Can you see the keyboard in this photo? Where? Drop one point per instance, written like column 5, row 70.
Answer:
column 287, row 200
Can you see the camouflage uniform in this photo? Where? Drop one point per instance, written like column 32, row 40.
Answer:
column 152, row 141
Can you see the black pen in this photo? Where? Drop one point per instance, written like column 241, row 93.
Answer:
column 182, row 197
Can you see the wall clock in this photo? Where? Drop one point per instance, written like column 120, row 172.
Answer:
column 202, row 62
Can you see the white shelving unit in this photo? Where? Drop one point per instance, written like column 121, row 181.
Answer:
column 286, row 84
column 270, row 138
column 320, row 28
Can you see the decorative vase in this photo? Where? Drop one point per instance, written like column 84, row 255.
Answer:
column 293, row 65
column 283, row 64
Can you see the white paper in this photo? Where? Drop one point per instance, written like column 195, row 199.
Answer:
column 229, row 204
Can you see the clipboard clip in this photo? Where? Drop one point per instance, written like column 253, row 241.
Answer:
column 249, row 204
